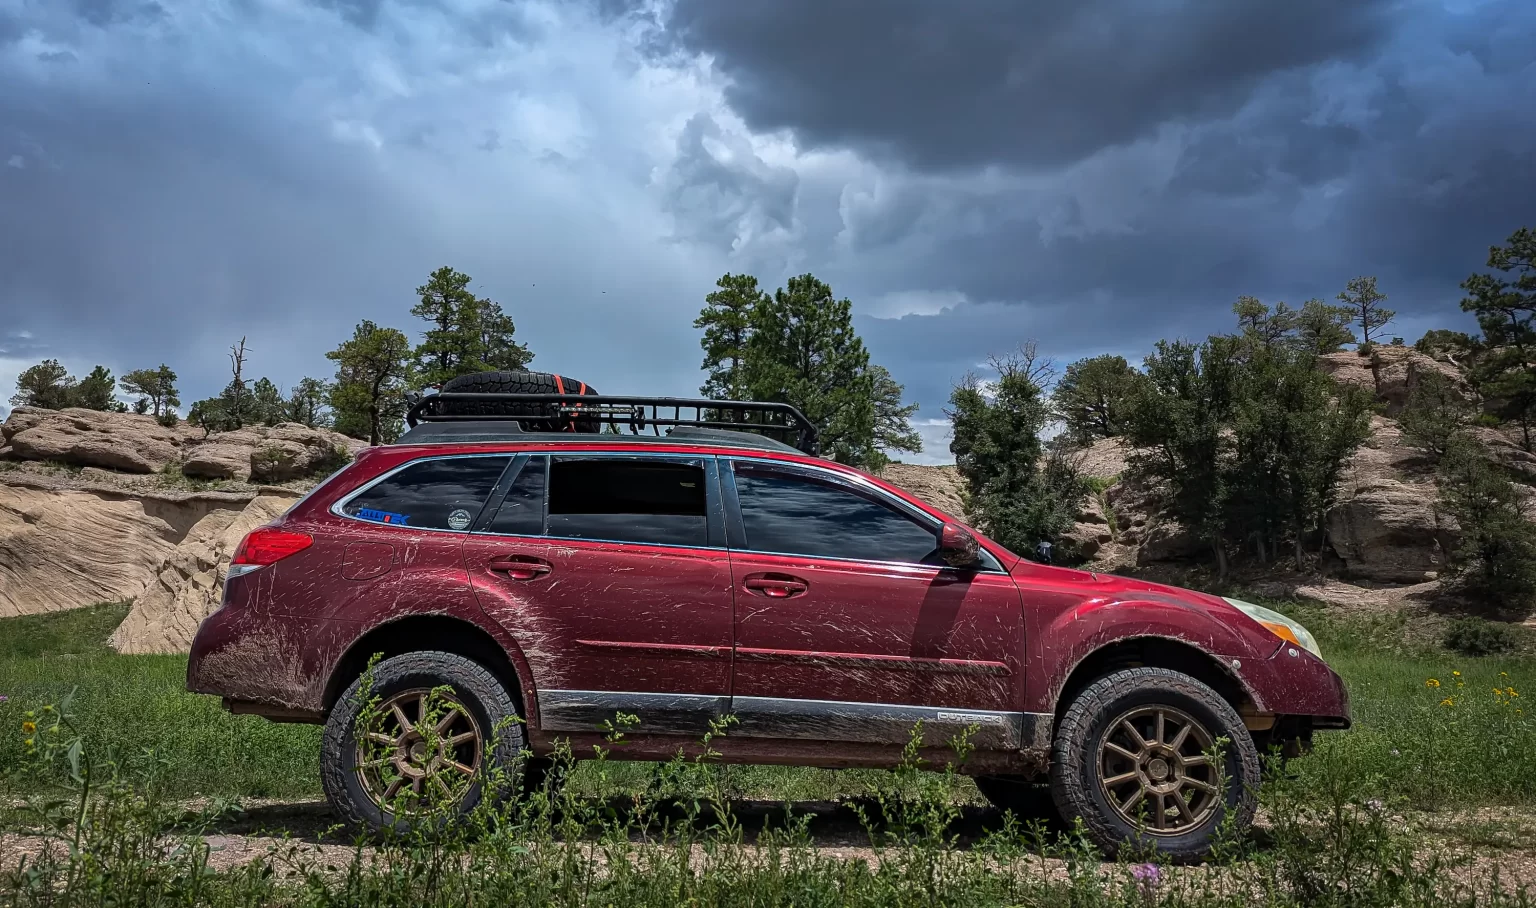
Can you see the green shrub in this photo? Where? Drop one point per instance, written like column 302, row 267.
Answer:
column 1479, row 637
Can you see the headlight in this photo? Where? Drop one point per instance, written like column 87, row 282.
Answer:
column 1279, row 625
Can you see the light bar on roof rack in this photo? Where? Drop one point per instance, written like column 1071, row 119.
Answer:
column 635, row 413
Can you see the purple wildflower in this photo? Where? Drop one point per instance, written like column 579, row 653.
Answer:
column 1147, row 876
column 1375, row 805
column 3, row 698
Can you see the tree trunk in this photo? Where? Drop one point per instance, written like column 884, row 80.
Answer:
column 1221, row 558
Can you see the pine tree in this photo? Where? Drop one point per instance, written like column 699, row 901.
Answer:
column 804, row 351
column 95, row 392
column 1091, row 397
column 1322, row 328
column 727, row 322
column 155, row 387
column 47, row 385
column 466, row 334
column 996, row 440
column 893, row 419
column 372, row 374
column 1364, row 301
column 1505, row 307
column 306, row 403
column 267, row 405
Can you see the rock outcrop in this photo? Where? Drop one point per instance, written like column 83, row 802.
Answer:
column 130, row 443
column 63, row 548
column 1389, row 372
column 126, row 442
column 189, row 582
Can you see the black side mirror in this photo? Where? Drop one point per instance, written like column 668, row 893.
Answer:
column 957, row 547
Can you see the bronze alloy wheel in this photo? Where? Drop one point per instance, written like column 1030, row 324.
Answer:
column 1155, row 770
column 422, row 746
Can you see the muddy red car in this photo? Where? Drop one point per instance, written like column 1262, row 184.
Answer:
column 548, row 572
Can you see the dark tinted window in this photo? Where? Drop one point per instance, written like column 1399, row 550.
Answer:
column 795, row 514
column 522, row 511
column 443, row 494
column 656, row 501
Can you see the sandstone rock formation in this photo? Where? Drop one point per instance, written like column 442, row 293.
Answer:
column 64, row 548
column 117, row 441
column 131, row 443
column 190, row 580
column 1389, row 372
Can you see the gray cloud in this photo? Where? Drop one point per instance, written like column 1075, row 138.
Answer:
column 1040, row 84
column 1095, row 175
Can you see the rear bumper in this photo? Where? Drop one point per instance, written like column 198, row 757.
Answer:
column 264, row 664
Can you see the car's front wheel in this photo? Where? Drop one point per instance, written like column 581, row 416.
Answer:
column 1154, row 757
column 432, row 737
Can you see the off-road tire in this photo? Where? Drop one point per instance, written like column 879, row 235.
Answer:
column 481, row 693
column 1026, row 799
column 540, row 417
column 1075, row 766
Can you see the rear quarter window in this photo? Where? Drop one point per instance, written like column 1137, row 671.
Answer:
column 444, row 493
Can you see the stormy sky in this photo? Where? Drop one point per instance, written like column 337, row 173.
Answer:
column 175, row 174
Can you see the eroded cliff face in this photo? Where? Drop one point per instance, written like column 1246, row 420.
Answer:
column 65, row 546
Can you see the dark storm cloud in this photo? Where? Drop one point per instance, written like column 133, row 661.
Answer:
column 1040, row 84
column 1100, row 175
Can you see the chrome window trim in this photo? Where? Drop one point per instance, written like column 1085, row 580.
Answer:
column 836, row 476
column 342, row 502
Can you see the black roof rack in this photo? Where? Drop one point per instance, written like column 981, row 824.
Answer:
column 721, row 421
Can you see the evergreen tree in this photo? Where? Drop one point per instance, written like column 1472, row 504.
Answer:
column 95, row 392
column 267, row 405
column 306, row 403
column 1495, row 558
column 1505, row 307
column 1322, row 328
column 47, row 385
column 1178, row 422
column 997, row 445
column 803, row 350
column 466, row 334
column 1261, row 324
column 1434, row 414
column 727, row 323
column 372, row 375
column 155, row 388
column 1364, row 301
column 893, row 420
column 1091, row 397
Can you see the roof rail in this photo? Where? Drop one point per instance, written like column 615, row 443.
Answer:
column 637, row 414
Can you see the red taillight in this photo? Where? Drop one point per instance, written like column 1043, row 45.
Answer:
column 265, row 545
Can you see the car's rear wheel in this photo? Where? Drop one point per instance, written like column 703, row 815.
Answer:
column 1154, row 757
column 540, row 417
column 433, row 738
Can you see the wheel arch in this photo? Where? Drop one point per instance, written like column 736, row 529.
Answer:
column 1156, row 652
column 443, row 633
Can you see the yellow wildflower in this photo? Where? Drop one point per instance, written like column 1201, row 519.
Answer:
column 28, row 728
column 1456, row 674
column 1512, row 692
column 1432, row 682
column 28, row 742
column 1447, row 702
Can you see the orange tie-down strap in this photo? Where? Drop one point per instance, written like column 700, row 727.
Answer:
column 560, row 388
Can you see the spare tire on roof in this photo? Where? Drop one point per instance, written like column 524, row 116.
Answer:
column 537, row 417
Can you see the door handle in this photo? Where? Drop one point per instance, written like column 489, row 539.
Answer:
column 520, row 568
column 776, row 586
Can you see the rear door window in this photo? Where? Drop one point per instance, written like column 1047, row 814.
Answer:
column 522, row 510
column 444, row 493
column 659, row 501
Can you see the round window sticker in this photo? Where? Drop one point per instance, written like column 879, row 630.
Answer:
column 458, row 519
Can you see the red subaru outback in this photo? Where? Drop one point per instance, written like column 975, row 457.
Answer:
column 542, row 572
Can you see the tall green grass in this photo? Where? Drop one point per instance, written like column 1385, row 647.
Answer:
column 1478, row 749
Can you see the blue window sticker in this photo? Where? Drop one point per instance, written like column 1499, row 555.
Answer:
column 383, row 516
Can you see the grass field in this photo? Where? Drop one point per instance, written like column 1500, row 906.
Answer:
column 1433, row 732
